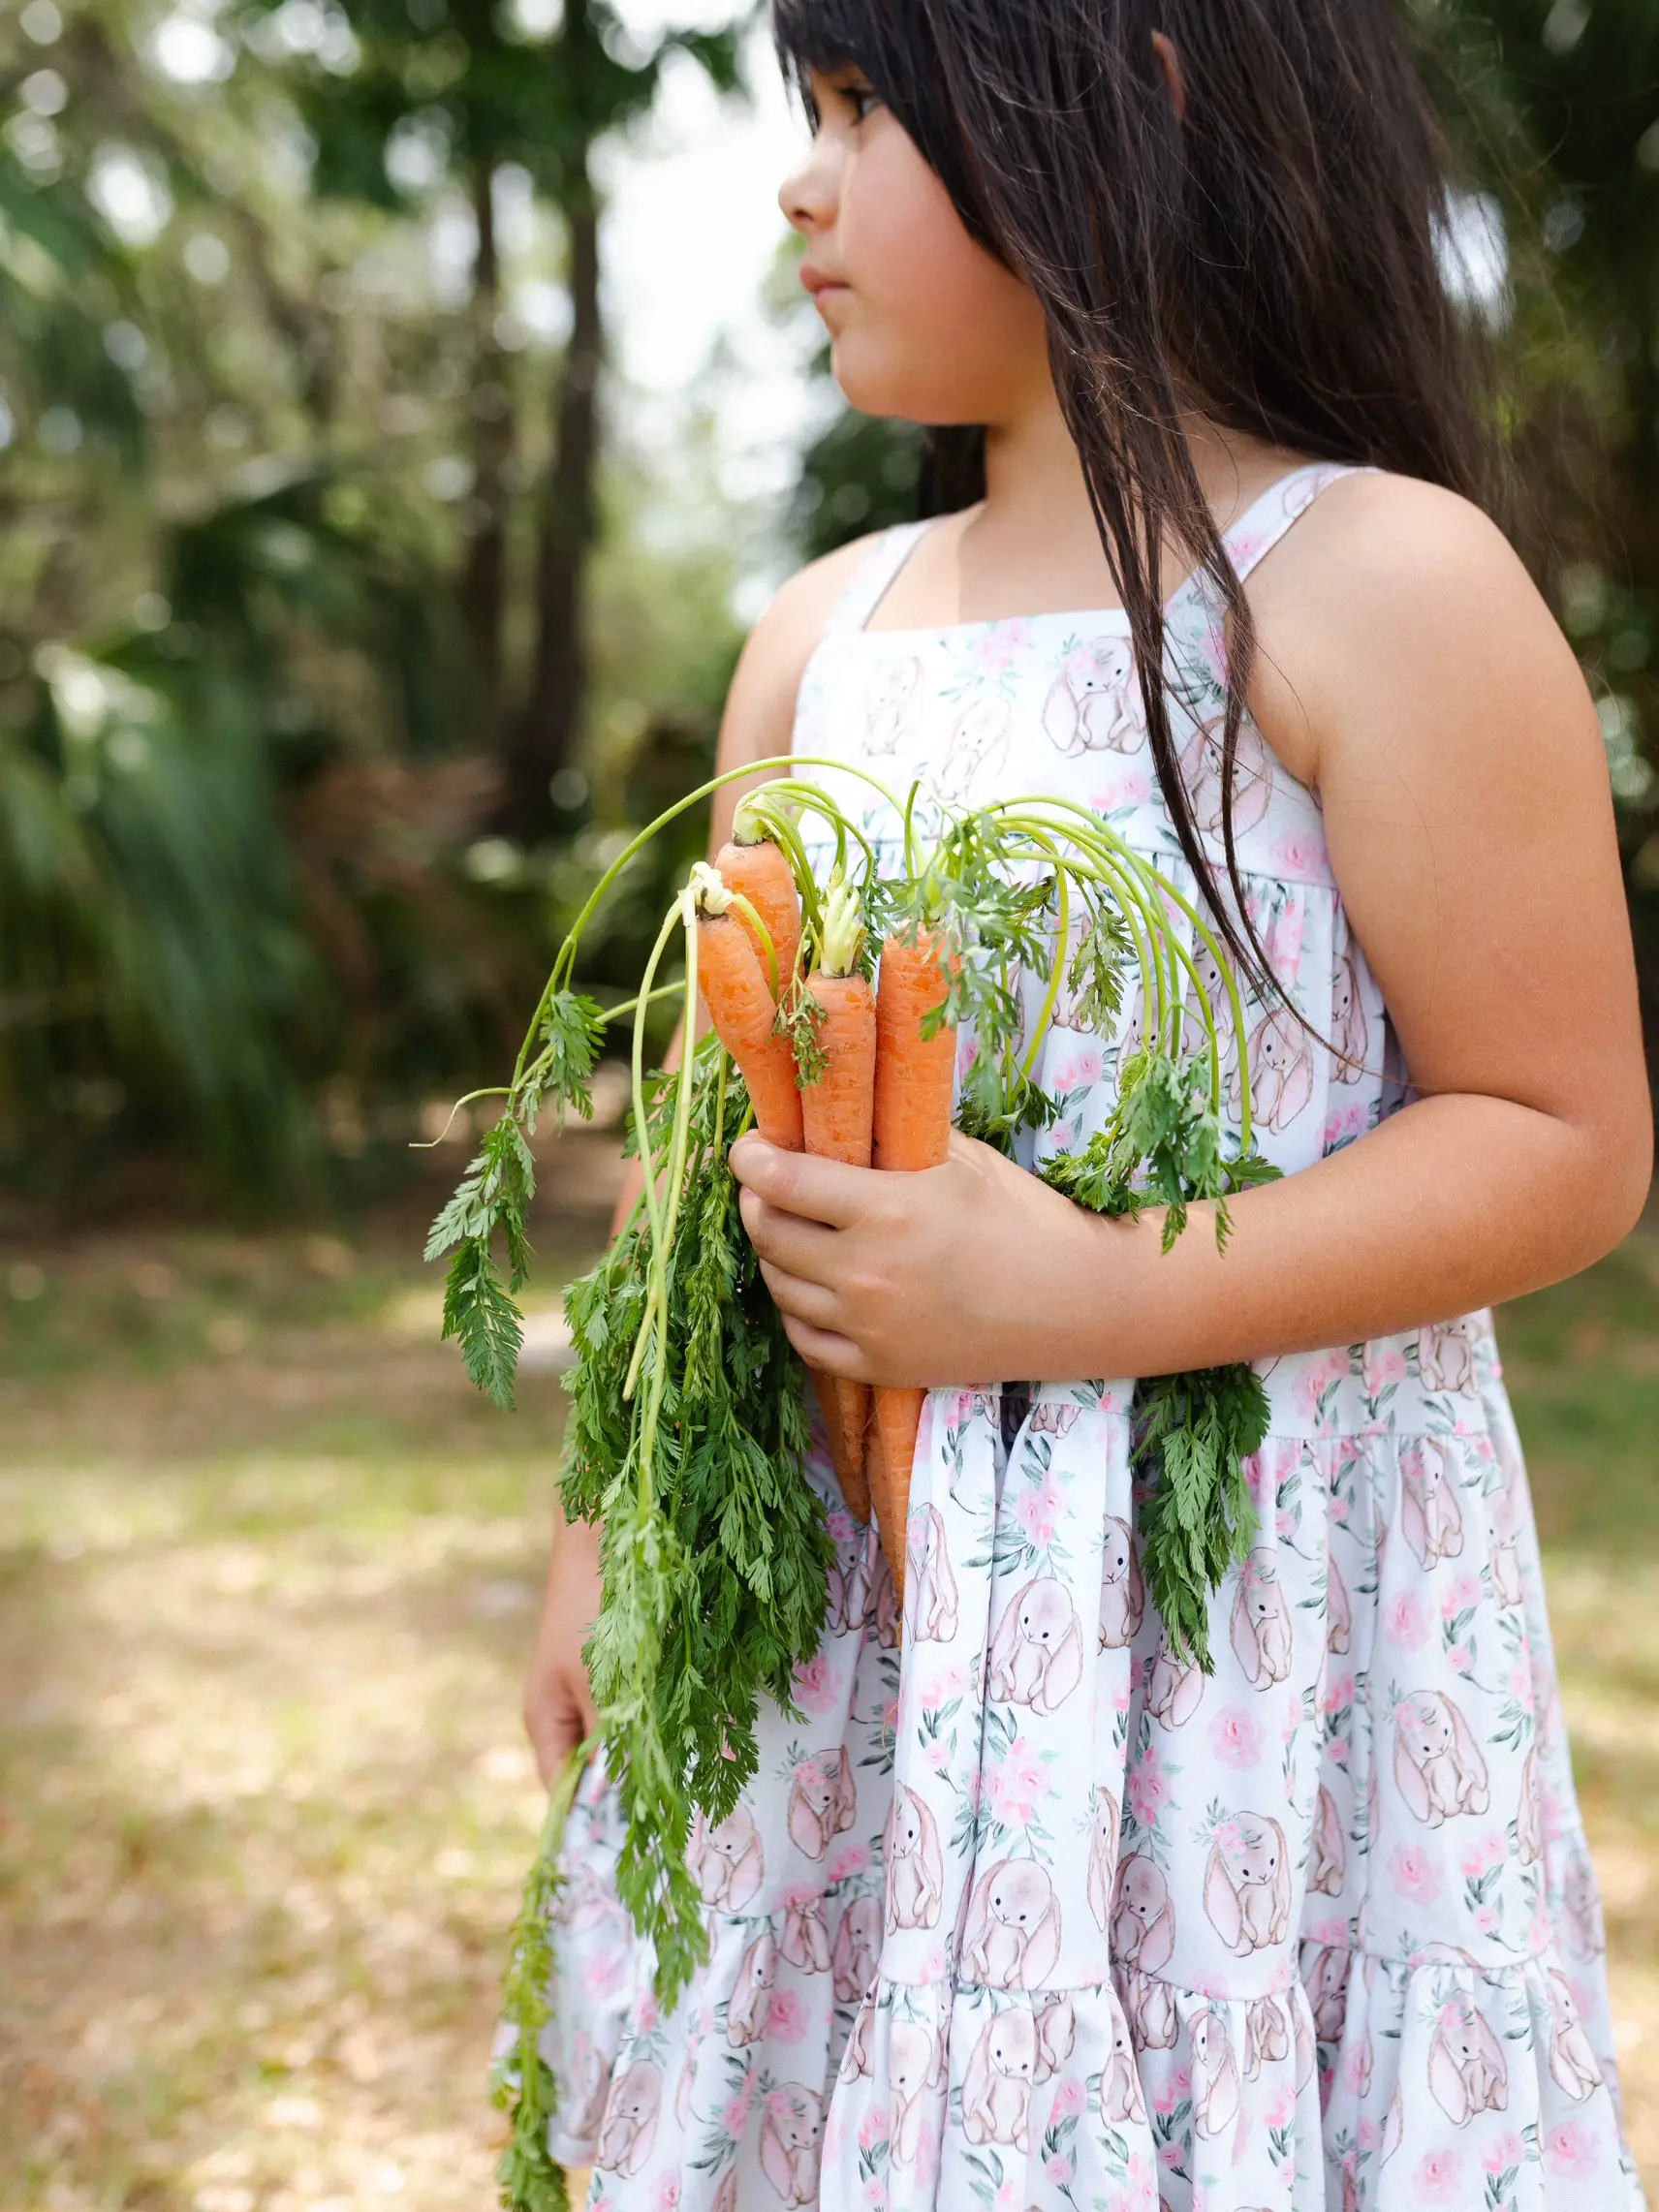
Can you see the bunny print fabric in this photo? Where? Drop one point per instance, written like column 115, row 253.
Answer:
column 1040, row 1917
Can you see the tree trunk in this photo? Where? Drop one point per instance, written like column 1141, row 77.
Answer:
column 483, row 576
column 541, row 740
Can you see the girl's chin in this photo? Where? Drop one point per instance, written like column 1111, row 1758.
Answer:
column 874, row 382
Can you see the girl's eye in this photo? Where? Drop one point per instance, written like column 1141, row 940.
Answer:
column 862, row 100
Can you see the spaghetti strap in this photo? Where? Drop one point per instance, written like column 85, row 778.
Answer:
column 873, row 576
column 1266, row 521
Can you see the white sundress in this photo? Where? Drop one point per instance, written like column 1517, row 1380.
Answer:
column 1040, row 1920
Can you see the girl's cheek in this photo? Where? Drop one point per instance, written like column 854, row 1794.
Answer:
column 935, row 328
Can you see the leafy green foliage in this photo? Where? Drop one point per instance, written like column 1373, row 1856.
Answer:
column 493, row 1199
column 1161, row 1148
column 715, row 1552
column 1193, row 1433
column 521, row 2081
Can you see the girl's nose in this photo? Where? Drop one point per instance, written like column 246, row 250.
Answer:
column 807, row 195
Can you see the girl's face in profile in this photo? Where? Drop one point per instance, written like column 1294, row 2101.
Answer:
column 924, row 324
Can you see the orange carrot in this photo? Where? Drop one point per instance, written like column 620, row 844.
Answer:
column 836, row 1110
column 743, row 1012
column 914, row 1077
column 760, row 873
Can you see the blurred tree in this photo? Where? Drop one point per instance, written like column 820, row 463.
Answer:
column 469, row 87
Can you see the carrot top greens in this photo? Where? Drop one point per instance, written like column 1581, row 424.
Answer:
column 688, row 1429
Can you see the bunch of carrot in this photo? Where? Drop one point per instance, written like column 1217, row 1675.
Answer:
column 842, row 1073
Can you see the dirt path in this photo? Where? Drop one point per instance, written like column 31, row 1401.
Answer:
column 268, row 1571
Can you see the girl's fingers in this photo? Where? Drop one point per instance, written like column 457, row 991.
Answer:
column 817, row 1190
column 799, row 1300
column 787, row 1241
column 829, row 1353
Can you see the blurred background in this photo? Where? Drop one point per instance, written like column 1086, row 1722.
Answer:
column 405, row 405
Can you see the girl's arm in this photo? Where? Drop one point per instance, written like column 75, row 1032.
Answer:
column 757, row 724
column 1410, row 673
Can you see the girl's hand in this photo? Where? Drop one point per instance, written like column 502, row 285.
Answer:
column 947, row 1276
column 558, row 1706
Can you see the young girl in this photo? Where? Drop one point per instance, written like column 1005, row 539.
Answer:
column 1039, row 1916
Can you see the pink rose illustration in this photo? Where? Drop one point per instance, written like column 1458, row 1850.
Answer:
column 1478, row 1857
column 1405, row 1621
column 1438, row 2178
column 1281, row 2109
column 1503, row 2154
column 1459, row 1595
column 1037, row 1509
column 1016, row 1785
column 1069, row 2100
column 872, row 2127
column 816, row 1688
column 786, row 2017
column 664, row 2193
column 1416, row 1875
column 846, row 1860
column 1236, row 1737
column 1058, row 2169
column 1460, row 1659
column 1569, row 2151
column 1148, row 1787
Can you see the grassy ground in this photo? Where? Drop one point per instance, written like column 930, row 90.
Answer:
column 268, row 1571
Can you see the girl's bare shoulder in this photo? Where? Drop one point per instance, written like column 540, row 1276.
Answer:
column 1390, row 601
column 760, row 709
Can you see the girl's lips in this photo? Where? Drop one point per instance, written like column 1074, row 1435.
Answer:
column 817, row 283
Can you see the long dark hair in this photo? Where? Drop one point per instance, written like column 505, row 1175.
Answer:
column 1271, row 254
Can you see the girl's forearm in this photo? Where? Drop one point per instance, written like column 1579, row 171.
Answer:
column 1456, row 1202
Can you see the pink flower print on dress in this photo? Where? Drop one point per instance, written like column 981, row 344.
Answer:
column 1236, row 1738
column 1569, row 2151
column 1017, row 1785
column 665, row 2193
column 1122, row 792
column 1438, row 2178
column 1381, row 1363
column 817, row 1689
column 1069, row 2100
column 1405, row 1621
column 1317, row 1376
column 1037, row 1510
column 996, row 646
column 1415, row 1872
column 1503, row 2154
column 1299, row 856
column 1148, row 1787
column 786, row 2017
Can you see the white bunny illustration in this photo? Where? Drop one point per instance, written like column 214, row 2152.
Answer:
column 1049, row 1418
column 1056, row 2022
column 1142, row 1924
column 630, row 2126
column 1350, row 1032
column 1252, row 779
column 1215, row 2094
column 850, row 1587
column 1122, row 1593
column 1090, row 705
column 725, row 1861
column 928, row 1574
column 1152, row 2014
column 1571, row 2061
column 749, row 2009
column 805, row 1940
column 1103, row 1856
column 1432, row 1521
column 1466, row 2069
column 1327, row 1983
column 588, row 2089
column 792, row 2142
column 1445, row 1356
column 1121, row 2102
column 1267, row 2037
column 1013, row 1935
column 914, row 2065
column 1280, row 1060
column 996, row 2086
column 893, row 705
column 1505, row 1522
column 1262, row 1621
column 976, row 750
column 823, row 1801
column 857, row 1943
column 1247, row 1883
column 1329, row 1859
column 914, row 1864
column 1174, row 1686
column 1037, row 1655
column 1437, row 1763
